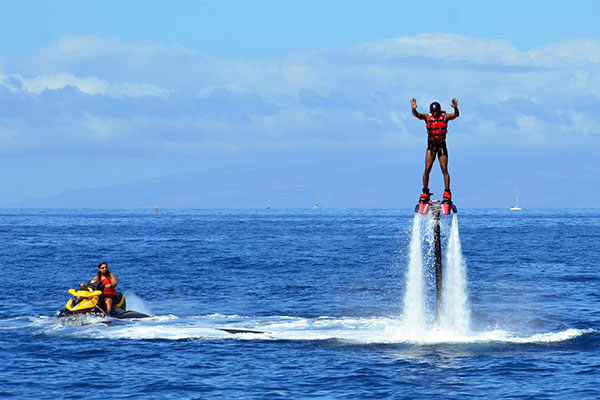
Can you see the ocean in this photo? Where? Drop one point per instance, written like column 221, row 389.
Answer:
column 341, row 305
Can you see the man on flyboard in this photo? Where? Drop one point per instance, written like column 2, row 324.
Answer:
column 437, row 126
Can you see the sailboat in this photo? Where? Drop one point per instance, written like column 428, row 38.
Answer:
column 270, row 204
column 317, row 206
column 516, row 206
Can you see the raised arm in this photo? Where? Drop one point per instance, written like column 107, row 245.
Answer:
column 456, row 113
column 417, row 114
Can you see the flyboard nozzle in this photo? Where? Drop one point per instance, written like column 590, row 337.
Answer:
column 436, row 208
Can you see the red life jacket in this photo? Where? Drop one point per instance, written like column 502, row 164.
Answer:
column 109, row 290
column 437, row 127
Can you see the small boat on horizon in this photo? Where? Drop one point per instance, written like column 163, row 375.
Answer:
column 516, row 206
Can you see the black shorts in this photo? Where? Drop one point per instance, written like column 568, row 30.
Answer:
column 438, row 147
column 110, row 296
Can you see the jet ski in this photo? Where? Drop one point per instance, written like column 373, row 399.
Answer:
column 86, row 300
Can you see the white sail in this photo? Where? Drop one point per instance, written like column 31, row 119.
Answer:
column 516, row 206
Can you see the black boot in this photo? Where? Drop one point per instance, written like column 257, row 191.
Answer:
column 425, row 196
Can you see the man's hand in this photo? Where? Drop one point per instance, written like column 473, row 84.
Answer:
column 455, row 114
column 417, row 114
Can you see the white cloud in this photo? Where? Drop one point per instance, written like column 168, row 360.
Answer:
column 445, row 46
column 477, row 52
column 145, row 95
column 87, row 85
column 572, row 52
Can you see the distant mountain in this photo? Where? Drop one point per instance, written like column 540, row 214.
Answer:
column 248, row 187
column 478, row 181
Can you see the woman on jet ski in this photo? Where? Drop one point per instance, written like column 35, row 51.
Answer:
column 109, row 280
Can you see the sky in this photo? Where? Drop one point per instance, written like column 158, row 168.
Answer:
column 100, row 94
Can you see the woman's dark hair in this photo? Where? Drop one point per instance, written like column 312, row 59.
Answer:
column 107, row 270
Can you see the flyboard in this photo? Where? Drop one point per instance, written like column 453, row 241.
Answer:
column 445, row 206
column 435, row 208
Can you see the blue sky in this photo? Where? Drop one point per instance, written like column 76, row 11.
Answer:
column 96, row 94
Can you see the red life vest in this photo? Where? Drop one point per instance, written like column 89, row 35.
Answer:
column 110, row 290
column 437, row 127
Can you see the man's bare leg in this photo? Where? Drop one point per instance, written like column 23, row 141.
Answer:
column 429, row 159
column 444, row 166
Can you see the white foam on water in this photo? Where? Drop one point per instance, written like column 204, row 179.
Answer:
column 375, row 330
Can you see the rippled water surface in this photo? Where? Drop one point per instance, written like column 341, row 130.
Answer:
column 297, row 304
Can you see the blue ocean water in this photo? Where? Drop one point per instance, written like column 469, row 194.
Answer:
column 325, row 288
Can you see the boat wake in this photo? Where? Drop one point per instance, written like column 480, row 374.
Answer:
column 374, row 330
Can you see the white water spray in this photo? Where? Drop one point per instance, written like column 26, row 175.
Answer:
column 414, row 303
column 455, row 316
